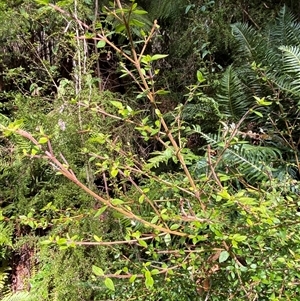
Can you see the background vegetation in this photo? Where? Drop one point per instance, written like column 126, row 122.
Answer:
column 149, row 150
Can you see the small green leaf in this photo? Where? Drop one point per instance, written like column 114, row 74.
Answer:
column 149, row 280
column 136, row 23
column 117, row 104
column 145, row 59
column 114, row 172
column 97, row 271
column 238, row 237
column 200, row 77
column 42, row 2
column 154, row 272
column 43, row 140
column 257, row 113
column 60, row 241
column 281, row 259
column 262, row 101
column 100, row 211
column 109, row 284
column 97, row 238
column 34, row 151
column 158, row 57
column 162, row 92
column 140, row 12
column 63, row 247
column 167, row 239
column 223, row 256
column 141, row 198
column 154, row 219
column 158, row 113
column 117, row 202
column 249, row 222
column 101, row 44
column 143, row 243
column 120, row 28
column 132, row 278
column 224, row 194
column 174, row 226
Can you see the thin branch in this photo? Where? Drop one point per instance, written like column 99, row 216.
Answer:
column 68, row 173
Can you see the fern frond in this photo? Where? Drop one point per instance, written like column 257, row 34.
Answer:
column 213, row 139
column 286, row 30
column 164, row 9
column 254, row 163
column 4, row 120
column 248, row 41
column 205, row 111
column 161, row 157
column 291, row 68
column 204, row 108
column 6, row 235
column 231, row 97
column 201, row 167
column 20, row 296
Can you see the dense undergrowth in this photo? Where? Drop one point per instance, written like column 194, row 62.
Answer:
column 146, row 162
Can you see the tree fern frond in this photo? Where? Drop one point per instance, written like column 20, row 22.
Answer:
column 250, row 83
column 291, row 59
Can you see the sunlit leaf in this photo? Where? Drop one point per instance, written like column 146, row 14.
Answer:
column 43, row 140
column 158, row 57
column 117, row 202
column 140, row 12
column 109, row 284
column 143, row 243
column 101, row 44
column 100, row 211
column 97, row 271
column 132, row 278
column 223, row 256
column 148, row 279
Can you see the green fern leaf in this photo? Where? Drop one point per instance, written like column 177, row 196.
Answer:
column 286, row 30
column 248, row 41
column 291, row 67
column 231, row 97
